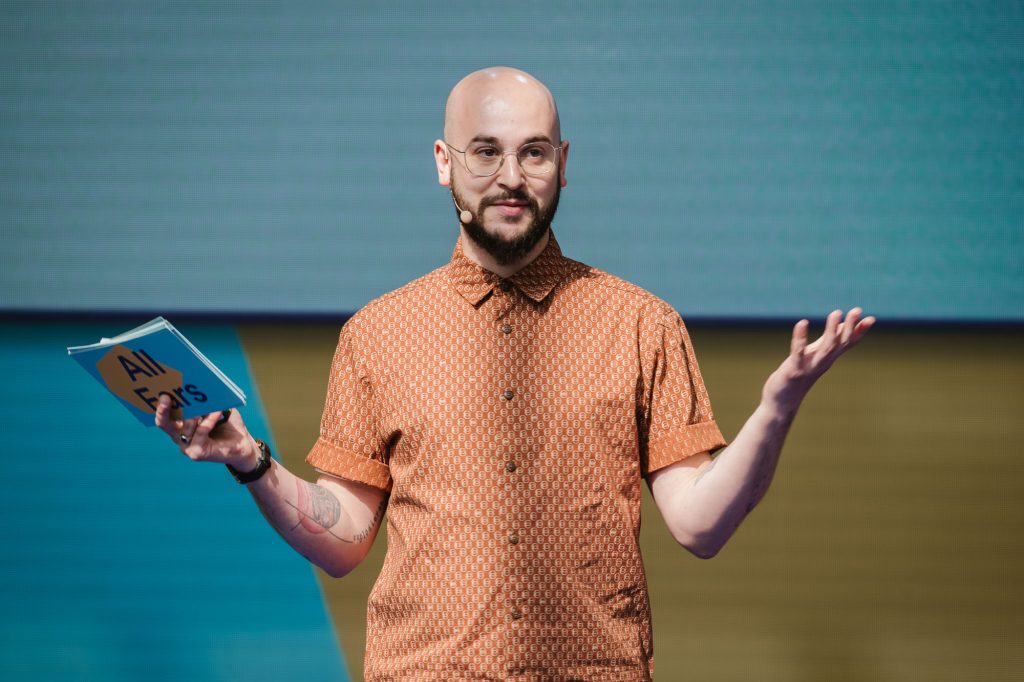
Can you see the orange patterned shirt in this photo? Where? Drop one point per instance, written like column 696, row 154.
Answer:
column 513, row 422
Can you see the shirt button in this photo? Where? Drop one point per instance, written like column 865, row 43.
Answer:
column 510, row 467
column 505, row 285
column 516, row 614
column 513, row 539
column 507, row 395
column 506, row 328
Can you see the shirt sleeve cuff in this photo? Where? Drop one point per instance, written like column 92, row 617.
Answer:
column 683, row 443
column 336, row 461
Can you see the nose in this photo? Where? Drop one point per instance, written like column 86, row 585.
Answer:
column 510, row 175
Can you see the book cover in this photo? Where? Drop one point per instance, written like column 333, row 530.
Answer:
column 155, row 358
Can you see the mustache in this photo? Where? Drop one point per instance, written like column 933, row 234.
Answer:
column 509, row 196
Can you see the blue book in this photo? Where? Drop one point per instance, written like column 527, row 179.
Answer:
column 143, row 363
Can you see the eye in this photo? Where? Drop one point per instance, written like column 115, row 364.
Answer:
column 534, row 152
column 485, row 152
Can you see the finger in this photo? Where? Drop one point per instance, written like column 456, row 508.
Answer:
column 799, row 340
column 831, row 328
column 188, row 430
column 160, row 416
column 833, row 321
column 163, row 419
column 203, row 427
column 862, row 329
column 849, row 324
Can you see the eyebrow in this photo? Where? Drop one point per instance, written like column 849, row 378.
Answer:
column 490, row 139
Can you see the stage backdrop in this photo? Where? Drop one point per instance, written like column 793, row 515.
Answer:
column 740, row 160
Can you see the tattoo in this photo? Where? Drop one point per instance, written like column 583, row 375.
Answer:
column 326, row 508
column 309, row 524
column 319, row 511
column 377, row 516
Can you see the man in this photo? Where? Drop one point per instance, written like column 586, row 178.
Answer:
column 504, row 409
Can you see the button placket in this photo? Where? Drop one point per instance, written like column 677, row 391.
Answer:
column 514, row 408
column 504, row 297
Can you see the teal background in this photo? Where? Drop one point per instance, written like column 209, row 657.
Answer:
column 741, row 160
column 123, row 560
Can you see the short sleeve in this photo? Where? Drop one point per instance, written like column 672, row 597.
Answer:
column 350, row 445
column 674, row 415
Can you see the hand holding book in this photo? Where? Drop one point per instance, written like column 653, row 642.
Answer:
column 154, row 360
column 163, row 379
column 209, row 438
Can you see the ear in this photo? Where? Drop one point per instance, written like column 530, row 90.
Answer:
column 444, row 163
column 562, row 162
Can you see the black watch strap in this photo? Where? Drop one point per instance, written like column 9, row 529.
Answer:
column 262, row 465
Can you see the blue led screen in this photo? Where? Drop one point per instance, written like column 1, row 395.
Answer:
column 740, row 160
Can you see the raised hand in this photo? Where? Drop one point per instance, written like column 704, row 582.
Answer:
column 788, row 385
column 207, row 438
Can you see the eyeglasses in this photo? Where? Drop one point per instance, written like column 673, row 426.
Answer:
column 484, row 160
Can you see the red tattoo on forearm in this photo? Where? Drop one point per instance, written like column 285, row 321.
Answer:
column 318, row 509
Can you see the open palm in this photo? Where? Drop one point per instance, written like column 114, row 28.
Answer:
column 805, row 364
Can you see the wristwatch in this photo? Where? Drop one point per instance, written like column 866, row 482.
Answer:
column 262, row 465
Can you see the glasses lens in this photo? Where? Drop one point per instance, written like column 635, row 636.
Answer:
column 535, row 158
column 483, row 159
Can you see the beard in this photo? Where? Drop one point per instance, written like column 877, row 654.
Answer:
column 508, row 251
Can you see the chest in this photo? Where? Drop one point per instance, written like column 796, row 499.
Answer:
column 462, row 367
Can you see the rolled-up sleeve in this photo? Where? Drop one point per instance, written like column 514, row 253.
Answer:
column 674, row 414
column 350, row 445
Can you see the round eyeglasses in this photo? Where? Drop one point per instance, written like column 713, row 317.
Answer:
column 483, row 159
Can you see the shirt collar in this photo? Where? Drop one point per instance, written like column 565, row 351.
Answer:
column 536, row 280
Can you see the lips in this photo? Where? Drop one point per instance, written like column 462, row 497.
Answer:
column 510, row 208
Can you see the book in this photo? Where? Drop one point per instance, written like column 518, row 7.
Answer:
column 141, row 364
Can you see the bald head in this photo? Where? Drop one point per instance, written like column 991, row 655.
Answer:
column 506, row 216
column 500, row 96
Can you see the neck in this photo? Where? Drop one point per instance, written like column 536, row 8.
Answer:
column 473, row 252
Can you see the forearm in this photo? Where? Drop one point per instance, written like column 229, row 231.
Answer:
column 327, row 525
column 725, row 491
column 331, row 522
column 704, row 500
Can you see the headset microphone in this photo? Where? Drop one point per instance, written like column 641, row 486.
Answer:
column 464, row 216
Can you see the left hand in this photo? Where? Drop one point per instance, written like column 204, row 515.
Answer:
column 209, row 438
column 788, row 385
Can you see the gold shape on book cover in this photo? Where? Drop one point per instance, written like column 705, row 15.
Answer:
column 137, row 378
